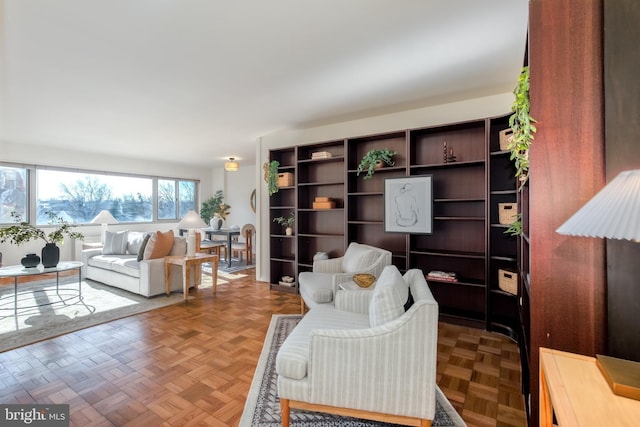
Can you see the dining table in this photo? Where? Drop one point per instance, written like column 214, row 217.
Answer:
column 229, row 232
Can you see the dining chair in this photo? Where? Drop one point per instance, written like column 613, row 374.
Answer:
column 238, row 248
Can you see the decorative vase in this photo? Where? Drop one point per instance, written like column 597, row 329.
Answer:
column 30, row 261
column 50, row 255
column 215, row 222
column 288, row 231
column 320, row 256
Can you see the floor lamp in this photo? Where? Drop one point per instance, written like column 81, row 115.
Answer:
column 191, row 221
column 613, row 213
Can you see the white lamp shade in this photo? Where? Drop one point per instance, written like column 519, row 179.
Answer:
column 191, row 220
column 104, row 217
column 613, row 213
column 231, row 165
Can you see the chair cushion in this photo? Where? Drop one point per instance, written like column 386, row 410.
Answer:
column 317, row 286
column 358, row 258
column 386, row 305
column 115, row 242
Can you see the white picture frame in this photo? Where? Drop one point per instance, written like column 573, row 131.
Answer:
column 408, row 205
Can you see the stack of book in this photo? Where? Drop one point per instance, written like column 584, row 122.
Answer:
column 443, row 276
column 321, row 155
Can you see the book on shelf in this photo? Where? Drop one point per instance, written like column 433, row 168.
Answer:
column 320, row 155
column 444, row 276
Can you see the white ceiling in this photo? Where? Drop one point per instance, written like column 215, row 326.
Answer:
column 196, row 81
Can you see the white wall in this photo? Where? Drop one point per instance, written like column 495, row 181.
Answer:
column 467, row 110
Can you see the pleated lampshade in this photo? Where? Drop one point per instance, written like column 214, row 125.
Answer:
column 613, row 213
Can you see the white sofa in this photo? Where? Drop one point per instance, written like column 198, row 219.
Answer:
column 145, row 277
column 377, row 362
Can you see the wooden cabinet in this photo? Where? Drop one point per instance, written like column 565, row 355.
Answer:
column 467, row 237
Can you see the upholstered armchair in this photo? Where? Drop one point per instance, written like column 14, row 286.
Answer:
column 320, row 285
column 378, row 365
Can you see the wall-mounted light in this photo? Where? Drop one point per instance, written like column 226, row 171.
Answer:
column 231, row 165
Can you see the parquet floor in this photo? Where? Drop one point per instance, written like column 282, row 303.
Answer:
column 193, row 364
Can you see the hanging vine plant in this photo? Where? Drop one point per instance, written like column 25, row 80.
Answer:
column 522, row 125
column 271, row 176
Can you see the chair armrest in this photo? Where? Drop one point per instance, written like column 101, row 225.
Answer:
column 331, row 265
column 390, row 368
column 354, row 301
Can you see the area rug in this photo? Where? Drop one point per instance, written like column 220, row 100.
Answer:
column 236, row 265
column 262, row 408
column 100, row 303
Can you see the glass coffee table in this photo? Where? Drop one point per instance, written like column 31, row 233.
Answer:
column 17, row 271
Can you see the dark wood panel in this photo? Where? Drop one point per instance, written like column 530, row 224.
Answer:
column 567, row 164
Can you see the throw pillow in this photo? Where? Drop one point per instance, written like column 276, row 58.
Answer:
column 159, row 245
column 385, row 304
column 115, row 243
column 134, row 241
column 358, row 258
column 143, row 246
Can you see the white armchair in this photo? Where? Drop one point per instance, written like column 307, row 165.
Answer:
column 320, row 285
column 379, row 365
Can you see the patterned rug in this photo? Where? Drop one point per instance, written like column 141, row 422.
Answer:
column 100, row 303
column 236, row 265
column 262, row 408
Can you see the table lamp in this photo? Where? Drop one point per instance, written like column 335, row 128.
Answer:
column 104, row 218
column 613, row 213
column 191, row 221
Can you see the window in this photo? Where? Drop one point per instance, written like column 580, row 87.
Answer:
column 166, row 199
column 13, row 193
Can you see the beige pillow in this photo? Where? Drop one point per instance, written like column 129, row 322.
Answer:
column 159, row 245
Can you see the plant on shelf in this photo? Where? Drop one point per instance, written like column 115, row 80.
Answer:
column 23, row 232
column 375, row 159
column 522, row 125
column 286, row 222
column 214, row 206
column 271, row 176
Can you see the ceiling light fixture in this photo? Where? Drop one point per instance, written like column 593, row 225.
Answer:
column 231, row 165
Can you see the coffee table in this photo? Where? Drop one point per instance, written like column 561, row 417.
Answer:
column 17, row 271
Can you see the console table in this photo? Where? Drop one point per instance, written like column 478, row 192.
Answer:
column 572, row 387
column 17, row 271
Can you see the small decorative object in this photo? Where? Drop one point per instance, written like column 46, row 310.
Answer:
column 320, row 155
column 447, row 154
column 442, row 276
column 30, row 261
column 215, row 222
column 444, row 152
column 271, row 176
column 451, row 158
column 364, row 280
column 320, row 256
column 23, row 232
column 286, row 222
column 408, row 204
column 375, row 159
column 287, row 281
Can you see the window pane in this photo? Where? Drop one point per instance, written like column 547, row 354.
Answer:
column 166, row 199
column 78, row 196
column 187, row 197
column 13, row 193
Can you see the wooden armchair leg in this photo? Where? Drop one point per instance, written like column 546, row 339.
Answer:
column 284, row 412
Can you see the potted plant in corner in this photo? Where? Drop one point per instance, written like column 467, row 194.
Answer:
column 23, row 232
column 286, row 222
column 375, row 159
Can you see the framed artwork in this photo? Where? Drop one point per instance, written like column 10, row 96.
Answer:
column 408, row 204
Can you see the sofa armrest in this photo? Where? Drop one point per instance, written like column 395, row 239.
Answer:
column 354, row 301
column 389, row 368
column 87, row 254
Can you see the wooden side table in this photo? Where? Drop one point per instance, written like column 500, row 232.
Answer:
column 188, row 263
column 572, row 387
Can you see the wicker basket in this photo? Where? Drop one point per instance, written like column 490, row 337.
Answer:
column 285, row 179
column 364, row 280
column 507, row 213
column 506, row 136
column 508, row 281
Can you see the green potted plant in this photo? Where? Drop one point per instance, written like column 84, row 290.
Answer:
column 375, row 159
column 522, row 125
column 214, row 210
column 23, row 232
column 271, row 176
column 286, row 222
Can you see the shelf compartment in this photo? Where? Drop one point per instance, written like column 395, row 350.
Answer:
column 459, row 300
column 453, row 236
column 395, row 141
column 467, row 140
column 336, row 148
column 451, row 184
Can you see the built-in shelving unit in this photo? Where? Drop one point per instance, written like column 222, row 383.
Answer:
column 467, row 237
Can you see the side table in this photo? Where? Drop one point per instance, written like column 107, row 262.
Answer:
column 572, row 387
column 188, row 263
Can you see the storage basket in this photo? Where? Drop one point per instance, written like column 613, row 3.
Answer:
column 285, row 179
column 507, row 213
column 508, row 281
column 506, row 136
